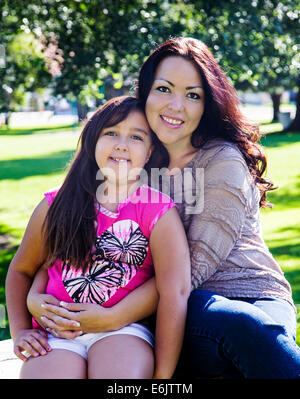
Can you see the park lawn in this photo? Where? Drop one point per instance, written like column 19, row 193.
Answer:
column 33, row 161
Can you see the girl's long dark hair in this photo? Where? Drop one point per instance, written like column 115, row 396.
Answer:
column 69, row 227
column 222, row 117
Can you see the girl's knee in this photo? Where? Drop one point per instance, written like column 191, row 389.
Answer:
column 121, row 356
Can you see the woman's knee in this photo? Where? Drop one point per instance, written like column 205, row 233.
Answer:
column 216, row 317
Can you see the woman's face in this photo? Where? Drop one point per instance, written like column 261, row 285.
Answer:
column 175, row 103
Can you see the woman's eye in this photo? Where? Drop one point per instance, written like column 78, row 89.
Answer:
column 163, row 89
column 194, row 96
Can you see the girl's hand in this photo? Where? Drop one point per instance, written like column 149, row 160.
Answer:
column 91, row 318
column 33, row 341
column 52, row 322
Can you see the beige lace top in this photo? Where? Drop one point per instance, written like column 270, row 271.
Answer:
column 221, row 217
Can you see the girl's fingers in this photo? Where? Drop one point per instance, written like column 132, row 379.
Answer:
column 43, row 340
column 25, row 346
column 20, row 355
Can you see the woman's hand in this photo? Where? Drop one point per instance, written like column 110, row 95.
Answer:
column 51, row 321
column 33, row 341
column 90, row 318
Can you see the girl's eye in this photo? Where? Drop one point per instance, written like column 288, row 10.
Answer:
column 109, row 133
column 194, row 96
column 137, row 138
column 163, row 89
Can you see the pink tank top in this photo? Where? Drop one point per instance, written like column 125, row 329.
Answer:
column 121, row 257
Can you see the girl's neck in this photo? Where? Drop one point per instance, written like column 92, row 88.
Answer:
column 115, row 193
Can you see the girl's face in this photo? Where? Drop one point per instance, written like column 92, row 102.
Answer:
column 124, row 147
column 175, row 103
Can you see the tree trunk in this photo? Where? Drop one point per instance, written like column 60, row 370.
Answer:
column 295, row 125
column 82, row 111
column 276, row 105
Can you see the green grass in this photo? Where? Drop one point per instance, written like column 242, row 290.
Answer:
column 281, row 224
column 33, row 160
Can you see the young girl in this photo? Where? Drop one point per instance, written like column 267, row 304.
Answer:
column 98, row 241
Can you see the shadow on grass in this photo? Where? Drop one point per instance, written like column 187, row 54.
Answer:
column 280, row 249
column 29, row 131
column 276, row 139
column 15, row 169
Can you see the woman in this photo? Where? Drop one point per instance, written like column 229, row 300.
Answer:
column 240, row 314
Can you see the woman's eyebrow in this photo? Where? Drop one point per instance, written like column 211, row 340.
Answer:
column 170, row 83
column 187, row 88
column 194, row 87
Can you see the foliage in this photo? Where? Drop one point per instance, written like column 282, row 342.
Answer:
column 86, row 42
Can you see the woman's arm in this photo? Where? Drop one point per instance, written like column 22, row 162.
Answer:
column 170, row 254
column 24, row 265
column 138, row 304
column 213, row 232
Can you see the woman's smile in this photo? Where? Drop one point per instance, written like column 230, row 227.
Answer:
column 171, row 121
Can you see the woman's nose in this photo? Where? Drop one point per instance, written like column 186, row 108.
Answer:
column 176, row 103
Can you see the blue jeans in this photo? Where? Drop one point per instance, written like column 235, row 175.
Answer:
column 255, row 337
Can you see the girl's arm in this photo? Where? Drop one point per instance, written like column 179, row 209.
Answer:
column 24, row 265
column 171, row 258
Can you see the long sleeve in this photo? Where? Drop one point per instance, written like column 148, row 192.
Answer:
column 214, row 231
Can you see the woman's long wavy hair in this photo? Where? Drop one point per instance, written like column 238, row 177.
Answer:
column 69, row 227
column 222, row 117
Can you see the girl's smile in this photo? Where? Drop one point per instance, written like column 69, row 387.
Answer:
column 123, row 148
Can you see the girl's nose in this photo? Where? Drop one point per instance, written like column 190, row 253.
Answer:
column 121, row 145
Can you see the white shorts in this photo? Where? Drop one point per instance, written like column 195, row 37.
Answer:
column 82, row 344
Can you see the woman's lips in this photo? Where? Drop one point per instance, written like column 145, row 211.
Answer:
column 172, row 122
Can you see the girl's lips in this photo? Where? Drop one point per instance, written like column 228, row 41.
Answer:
column 119, row 160
column 172, row 122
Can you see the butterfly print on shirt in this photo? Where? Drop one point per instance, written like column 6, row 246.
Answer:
column 123, row 241
column 118, row 252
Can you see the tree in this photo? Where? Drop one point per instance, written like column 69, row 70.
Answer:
column 255, row 42
column 97, row 39
column 25, row 68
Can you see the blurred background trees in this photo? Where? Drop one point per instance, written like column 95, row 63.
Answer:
column 91, row 49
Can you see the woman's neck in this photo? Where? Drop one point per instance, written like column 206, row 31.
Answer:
column 179, row 157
